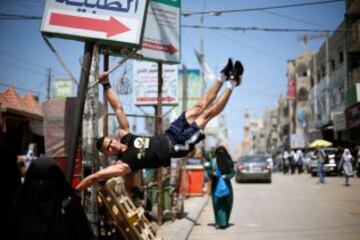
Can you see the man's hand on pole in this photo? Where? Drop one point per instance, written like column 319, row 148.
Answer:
column 104, row 78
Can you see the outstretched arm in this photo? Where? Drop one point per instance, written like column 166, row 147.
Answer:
column 118, row 169
column 114, row 102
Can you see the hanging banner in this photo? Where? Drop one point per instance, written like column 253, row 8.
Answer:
column 108, row 21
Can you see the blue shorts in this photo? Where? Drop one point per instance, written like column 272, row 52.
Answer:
column 183, row 136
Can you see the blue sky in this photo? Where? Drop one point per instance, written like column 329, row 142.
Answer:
column 24, row 56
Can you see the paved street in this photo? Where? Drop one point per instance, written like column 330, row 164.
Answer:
column 292, row 207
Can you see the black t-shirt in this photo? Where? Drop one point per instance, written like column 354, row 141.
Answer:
column 146, row 152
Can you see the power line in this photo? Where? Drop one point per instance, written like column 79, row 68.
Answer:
column 37, row 2
column 219, row 12
column 292, row 18
column 4, row 16
column 259, row 29
column 17, row 58
column 20, row 88
column 259, row 50
column 21, row 5
column 20, row 67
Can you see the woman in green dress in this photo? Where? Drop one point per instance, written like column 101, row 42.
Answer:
column 222, row 206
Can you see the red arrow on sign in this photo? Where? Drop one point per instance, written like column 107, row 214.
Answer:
column 111, row 26
column 160, row 47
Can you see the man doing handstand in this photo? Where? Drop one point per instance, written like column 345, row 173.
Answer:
column 138, row 152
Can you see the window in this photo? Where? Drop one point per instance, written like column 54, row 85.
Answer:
column 332, row 64
column 302, row 94
column 341, row 57
column 301, row 70
column 322, row 71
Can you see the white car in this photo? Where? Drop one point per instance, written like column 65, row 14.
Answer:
column 330, row 167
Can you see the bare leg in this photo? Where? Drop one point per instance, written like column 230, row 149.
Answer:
column 206, row 100
column 214, row 110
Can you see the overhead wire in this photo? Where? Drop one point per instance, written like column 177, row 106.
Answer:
column 220, row 12
column 233, row 28
column 292, row 18
column 263, row 52
column 5, row 16
column 17, row 58
column 265, row 29
column 20, row 88
column 20, row 67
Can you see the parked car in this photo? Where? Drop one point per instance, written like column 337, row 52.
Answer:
column 330, row 167
column 253, row 168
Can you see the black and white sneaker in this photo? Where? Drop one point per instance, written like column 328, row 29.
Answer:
column 238, row 71
column 227, row 71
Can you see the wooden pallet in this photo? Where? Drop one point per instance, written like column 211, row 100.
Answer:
column 129, row 219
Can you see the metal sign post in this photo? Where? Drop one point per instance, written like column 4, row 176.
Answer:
column 158, row 130
column 81, row 94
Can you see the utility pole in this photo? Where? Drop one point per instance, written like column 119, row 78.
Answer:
column 106, row 110
column 48, row 86
column 158, row 130
column 327, row 66
column 182, row 174
column 81, row 94
column 202, row 54
column 185, row 86
column 90, row 134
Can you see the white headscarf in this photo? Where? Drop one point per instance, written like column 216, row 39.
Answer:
column 346, row 154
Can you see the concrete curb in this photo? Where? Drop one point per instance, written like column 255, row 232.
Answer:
column 181, row 228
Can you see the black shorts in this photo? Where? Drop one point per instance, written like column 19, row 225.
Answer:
column 184, row 136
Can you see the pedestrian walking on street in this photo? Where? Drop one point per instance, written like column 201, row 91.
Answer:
column 321, row 157
column 135, row 152
column 346, row 165
column 223, row 164
column 286, row 162
column 10, row 176
column 47, row 207
column 298, row 160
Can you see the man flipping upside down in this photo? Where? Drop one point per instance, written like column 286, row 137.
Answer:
column 138, row 152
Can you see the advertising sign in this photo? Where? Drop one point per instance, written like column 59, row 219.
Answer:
column 162, row 31
column 297, row 140
column 338, row 118
column 353, row 116
column 111, row 21
column 146, row 83
column 63, row 88
column 194, row 87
